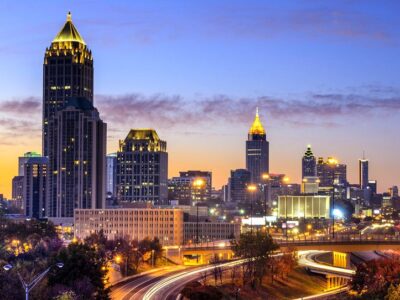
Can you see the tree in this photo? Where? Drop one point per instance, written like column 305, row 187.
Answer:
column 393, row 292
column 373, row 278
column 256, row 248
column 84, row 272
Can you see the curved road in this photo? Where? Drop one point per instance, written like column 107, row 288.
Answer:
column 167, row 284
column 137, row 286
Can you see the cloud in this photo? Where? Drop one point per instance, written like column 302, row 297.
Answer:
column 21, row 118
column 313, row 109
column 29, row 105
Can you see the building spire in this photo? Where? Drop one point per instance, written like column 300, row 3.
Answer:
column 257, row 127
column 68, row 33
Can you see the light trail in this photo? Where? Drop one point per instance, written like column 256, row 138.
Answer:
column 176, row 278
column 306, row 261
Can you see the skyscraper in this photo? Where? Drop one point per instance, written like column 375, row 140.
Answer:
column 111, row 188
column 191, row 187
column 77, row 159
column 309, row 164
column 237, row 185
column 23, row 159
column 67, row 72
column 331, row 172
column 142, row 168
column 35, row 187
column 363, row 173
column 257, row 151
column 18, row 191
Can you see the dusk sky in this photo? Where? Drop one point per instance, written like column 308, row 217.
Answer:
column 325, row 74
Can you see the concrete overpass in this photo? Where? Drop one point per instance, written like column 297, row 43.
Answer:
column 204, row 253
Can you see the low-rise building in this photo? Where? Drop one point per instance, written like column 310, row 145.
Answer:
column 131, row 223
column 305, row 206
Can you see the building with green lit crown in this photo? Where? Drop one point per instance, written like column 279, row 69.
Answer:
column 142, row 168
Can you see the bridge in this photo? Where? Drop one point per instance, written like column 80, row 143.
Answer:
column 197, row 254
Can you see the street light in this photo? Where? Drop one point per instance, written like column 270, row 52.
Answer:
column 266, row 190
column 198, row 184
column 28, row 286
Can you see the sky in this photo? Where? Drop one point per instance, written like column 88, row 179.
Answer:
column 324, row 73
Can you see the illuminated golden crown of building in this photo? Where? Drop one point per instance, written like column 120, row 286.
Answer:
column 68, row 33
column 143, row 134
column 257, row 127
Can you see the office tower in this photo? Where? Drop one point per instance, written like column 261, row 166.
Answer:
column 330, row 172
column 257, row 150
column 142, row 168
column 23, row 159
column 394, row 191
column 238, row 183
column 35, row 187
column 77, row 159
column 111, row 188
column 373, row 186
column 190, row 187
column 309, row 164
column 18, row 191
column 67, row 72
column 200, row 185
column 363, row 173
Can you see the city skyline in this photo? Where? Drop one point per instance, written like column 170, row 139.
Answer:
column 317, row 113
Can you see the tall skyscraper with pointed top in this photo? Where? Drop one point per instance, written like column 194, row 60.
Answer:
column 74, row 136
column 309, row 164
column 257, row 150
column 67, row 72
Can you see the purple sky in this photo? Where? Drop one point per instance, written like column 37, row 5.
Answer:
column 321, row 73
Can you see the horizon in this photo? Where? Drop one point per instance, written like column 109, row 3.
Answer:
column 329, row 78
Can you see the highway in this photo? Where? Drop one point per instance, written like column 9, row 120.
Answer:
column 306, row 260
column 137, row 287
column 166, row 284
column 169, row 288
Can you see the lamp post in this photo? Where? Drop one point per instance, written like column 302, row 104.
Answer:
column 266, row 190
column 286, row 181
column 28, row 286
column 252, row 188
column 198, row 184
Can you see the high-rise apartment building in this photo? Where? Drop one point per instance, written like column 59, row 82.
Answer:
column 77, row 159
column 257, row 151
column 309, row 164
column 67, row 72
column 35, row 187
column 142, row 168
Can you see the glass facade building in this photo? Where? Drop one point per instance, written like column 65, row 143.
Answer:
column 257, row 151
column 142, row 168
